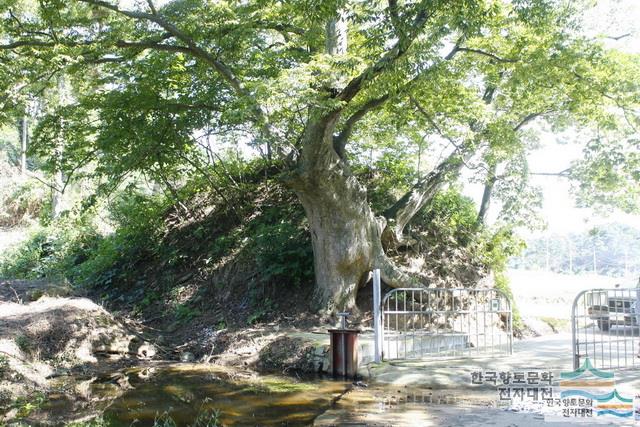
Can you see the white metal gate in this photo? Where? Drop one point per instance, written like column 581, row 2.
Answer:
column 445, row 322
column 605, row 328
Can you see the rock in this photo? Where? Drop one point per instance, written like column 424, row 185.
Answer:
column 35, row 294
column 187, row 357
column 146, row 351
column 60, row 372
column 286, row 353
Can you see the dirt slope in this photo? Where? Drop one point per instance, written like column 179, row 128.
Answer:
column 46, row 335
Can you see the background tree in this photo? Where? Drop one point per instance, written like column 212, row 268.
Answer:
column 615, row 247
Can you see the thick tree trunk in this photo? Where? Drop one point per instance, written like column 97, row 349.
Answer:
column 346, row 239
column 336, row 35
column 345, row 233
column 346, row 242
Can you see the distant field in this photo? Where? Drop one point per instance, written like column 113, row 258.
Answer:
column 543, row 294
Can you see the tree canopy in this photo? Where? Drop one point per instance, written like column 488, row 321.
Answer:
column 313, row 86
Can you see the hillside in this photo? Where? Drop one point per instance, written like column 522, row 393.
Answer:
column 202, row 265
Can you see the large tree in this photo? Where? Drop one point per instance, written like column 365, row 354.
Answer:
column 307, row 83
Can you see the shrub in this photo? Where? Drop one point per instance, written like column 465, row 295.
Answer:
column 51, row 251
column 71, row 247
column 21, row 201
column 283, row 252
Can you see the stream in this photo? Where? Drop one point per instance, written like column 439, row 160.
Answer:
column 148, row 396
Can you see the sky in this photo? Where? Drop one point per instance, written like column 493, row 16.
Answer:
column 559, row 209
column 611, row 18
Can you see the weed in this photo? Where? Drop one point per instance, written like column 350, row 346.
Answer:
column 205, row 418
column 184, row 313
column 24, row 343
column 25, row 406
column 260, row 311
column 4, row 365
column 164, row 420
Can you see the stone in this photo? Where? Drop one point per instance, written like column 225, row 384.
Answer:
column 187, row 357
column 147, row 351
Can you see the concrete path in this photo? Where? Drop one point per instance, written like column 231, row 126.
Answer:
column 547, row 353
column 551, row 352
column 440, row 393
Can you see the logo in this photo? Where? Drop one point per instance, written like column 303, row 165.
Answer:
column 595, row 388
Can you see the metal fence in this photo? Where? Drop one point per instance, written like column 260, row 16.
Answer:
column 605, row 328
column 441, row 322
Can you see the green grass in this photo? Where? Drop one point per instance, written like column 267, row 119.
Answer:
column 25, row 406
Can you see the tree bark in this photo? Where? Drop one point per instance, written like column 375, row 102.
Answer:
column 56, row 195
column 23, row 146
column 419, row 195
column 486, row 195
column 345, row 233
column 336, row 35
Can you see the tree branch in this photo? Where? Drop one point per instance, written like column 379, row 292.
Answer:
column 340, row 141
column 213, row 185
column 488, row 54
column 194, row 49
column 152, row 7
column 563, row 173
column 143, row 45
column 487, row 193
column 526, row 119
column 616, row 38
column 37, row 178
column 432, row 122
column 26, row 43
column 399, row 49
column 421, row 192
column 23, row 29
column 461, row 148
column 395, row 18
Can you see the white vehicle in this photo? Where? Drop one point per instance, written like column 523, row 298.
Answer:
column 617, row 310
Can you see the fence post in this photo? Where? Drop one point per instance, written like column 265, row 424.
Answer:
column 377, row 327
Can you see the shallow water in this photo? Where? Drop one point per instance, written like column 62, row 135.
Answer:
column 182, row 391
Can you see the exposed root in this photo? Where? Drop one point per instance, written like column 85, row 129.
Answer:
column 393, row 275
